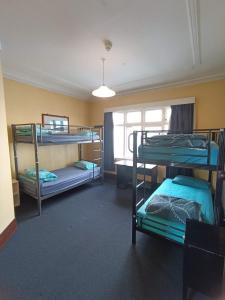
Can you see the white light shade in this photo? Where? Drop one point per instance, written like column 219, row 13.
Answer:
column 103, row 92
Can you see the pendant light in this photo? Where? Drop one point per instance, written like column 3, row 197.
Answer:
column 103, row 91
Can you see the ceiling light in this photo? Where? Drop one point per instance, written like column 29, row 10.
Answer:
column 103, row 91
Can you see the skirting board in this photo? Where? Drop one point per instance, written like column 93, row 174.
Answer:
column 7, row 233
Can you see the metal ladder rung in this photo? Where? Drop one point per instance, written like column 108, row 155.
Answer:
column 142, row 199
column 97, row 159
column 97, row 150
column 140, row 184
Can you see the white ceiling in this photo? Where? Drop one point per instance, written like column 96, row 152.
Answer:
column 57, row 44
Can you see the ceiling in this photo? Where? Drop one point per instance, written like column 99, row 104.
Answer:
column 57, row 44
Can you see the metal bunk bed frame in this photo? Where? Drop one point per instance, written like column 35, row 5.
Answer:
column 217, row 135
column 36, row 143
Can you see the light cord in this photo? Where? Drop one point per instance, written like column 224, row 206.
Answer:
column 103, row 71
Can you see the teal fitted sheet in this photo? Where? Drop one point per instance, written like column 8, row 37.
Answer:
column 171, row 229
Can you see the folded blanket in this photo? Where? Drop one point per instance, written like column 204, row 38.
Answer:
column 44, row 175
column 173, row 208
column 178, row 140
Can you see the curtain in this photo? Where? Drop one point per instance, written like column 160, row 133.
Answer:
column 181, row 120
column 108, row 142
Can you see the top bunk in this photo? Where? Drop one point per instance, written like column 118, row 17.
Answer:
column 43, row 135
column 202, row 148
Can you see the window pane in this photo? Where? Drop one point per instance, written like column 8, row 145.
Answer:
column 166, row 126
column 118, row 118
column 153, row 115
column 130, row 130
column 167, row 114
column 118, row 141
column 134, row 117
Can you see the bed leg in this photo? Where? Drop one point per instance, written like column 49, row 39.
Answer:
column 134, row 230
column 39, row 206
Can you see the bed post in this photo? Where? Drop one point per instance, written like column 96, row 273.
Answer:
column 134, row 188
column 220, row 178
column 35, row 141
column 79, row 152
column 15, row 151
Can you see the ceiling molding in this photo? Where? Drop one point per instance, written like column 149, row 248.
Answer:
column 46, row 82
column 194, row 30
column 72, row 91
column 177, row 83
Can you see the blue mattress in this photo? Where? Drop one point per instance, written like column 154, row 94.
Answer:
column 171, row 229
column 179, row 154
column 67, row 177
column 57, row 138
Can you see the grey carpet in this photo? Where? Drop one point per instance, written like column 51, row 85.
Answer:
column 80, row 248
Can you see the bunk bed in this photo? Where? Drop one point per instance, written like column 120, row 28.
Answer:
column 67, row 178
column 155, row 214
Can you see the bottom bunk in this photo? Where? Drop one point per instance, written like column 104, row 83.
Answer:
column 67, row 178
column 196, row 191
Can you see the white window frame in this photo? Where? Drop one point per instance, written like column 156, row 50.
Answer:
column 142, row 123
column 149, row 106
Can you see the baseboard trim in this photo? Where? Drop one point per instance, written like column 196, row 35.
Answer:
column 7, row 233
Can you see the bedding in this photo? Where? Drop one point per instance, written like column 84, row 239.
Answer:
column 191, row 181
column 178, row 140
column 186, row 155
column 27, row 131
column 85, row 165
column 171, row 229
column 173, row 208
column 57, row 138
column 66, row 177
column 44, row 175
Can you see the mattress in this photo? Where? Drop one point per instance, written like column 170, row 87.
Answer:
column 57, row 138
column 171, row 229
column 179, row 154
column 67, row 177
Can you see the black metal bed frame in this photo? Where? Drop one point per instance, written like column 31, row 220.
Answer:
column 217, row 135
column 37, row 141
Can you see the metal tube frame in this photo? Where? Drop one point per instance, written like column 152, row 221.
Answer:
column 36, row 143
column 220, row 169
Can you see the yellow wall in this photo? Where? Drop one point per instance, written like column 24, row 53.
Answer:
column 6, row 198
column 24, row 104
column 210, row 103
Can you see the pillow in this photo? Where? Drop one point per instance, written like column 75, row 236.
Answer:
column 85, row 165
column 44, row 175
column 173, row 208
column 192, row 182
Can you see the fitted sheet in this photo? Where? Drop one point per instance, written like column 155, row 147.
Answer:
column 179, row 154
column 57, row 138
column 66, row 177
column 171, row 229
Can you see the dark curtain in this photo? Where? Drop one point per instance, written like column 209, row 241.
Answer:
column 181, row 121
column 108, row 142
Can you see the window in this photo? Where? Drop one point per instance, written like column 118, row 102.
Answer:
column 125, row 122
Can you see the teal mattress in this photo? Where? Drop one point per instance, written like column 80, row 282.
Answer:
column 171, row 229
